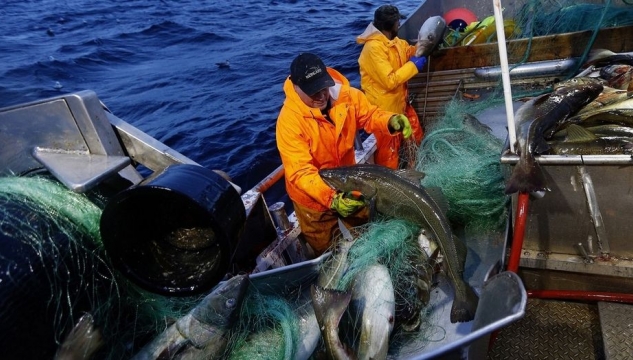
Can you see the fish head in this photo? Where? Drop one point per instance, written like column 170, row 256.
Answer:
column 222, row 304
column 577, row 94
column 430, row 34
column 578, row 81
column 349, row 178
column 613, row 70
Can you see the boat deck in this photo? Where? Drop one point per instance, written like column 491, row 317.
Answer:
column 552, row 330
column 556, row 329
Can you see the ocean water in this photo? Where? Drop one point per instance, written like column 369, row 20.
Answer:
column 154, row 64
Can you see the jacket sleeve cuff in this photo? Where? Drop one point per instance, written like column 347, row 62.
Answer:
column 330, row 199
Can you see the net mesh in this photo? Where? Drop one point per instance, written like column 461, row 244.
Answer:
column 460, row 155
column 57, row 269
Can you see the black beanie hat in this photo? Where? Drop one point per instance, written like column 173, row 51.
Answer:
column 386, row 16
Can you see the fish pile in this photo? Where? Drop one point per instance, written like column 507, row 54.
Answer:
column 352, row 301
column 591, row 114
column 354, row 304
column 399, row 194
column 376, row 282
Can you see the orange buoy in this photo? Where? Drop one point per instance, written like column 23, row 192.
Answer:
column 460, row 14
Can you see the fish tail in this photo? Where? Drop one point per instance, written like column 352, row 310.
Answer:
column 330, row 304
column 83, row 340
column 464, row 305
column 527, row 176
column 329, row 307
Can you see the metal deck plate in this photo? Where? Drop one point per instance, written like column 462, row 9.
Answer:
column 552, row 330
column 616, row 320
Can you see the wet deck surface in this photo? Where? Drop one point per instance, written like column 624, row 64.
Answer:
column 552, row 330
column 496, row 118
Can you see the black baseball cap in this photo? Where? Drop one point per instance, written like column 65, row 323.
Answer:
column 309, row 73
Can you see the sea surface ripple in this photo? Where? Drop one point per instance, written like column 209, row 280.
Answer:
column 154, row 64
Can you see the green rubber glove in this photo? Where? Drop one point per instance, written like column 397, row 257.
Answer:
column 347, row 203
column 400, row 123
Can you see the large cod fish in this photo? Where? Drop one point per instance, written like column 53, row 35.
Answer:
column 399, row 197
column 430, row 35
column 330, row 304
column 201, row 334
column 374, row 306
column 537, row 120
column 371, row 301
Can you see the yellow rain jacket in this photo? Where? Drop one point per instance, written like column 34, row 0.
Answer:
column 384, row 71
column 308, row 142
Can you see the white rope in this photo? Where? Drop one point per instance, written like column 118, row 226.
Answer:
column 505, row 72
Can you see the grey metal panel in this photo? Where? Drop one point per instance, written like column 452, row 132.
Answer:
column 80, row 171
column 144, row 149
column 575, row 279
column 617, row 334
column 561, row 219
column 93, row 123
column 71, row 123
column 47, row 124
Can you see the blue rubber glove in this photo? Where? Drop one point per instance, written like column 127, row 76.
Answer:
column 400, row 123
column 418, row 61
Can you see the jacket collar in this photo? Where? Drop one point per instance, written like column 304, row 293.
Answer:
column 372, row 33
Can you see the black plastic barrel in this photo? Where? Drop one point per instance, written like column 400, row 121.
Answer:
column 174, row 233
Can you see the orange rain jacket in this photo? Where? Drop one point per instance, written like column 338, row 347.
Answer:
column 308, row 142
column 384, row 71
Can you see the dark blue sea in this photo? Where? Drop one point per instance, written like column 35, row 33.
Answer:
column 154, row 64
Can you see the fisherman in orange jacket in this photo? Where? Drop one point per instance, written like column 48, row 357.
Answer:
column 386, row 64
column 316, row 129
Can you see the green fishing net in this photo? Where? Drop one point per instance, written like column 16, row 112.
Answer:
column 392, row 243
column 539, row 18
column 268, row 328
column 535, row 18
column 461, row 156
column 55, row 260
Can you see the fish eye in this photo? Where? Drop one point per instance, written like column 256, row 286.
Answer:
column 230, row 303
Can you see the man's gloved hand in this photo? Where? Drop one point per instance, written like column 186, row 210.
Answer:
column 347, row 203
column 418, row 61
column 400, row 123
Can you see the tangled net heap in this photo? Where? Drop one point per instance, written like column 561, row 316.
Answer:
column 462, row 157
